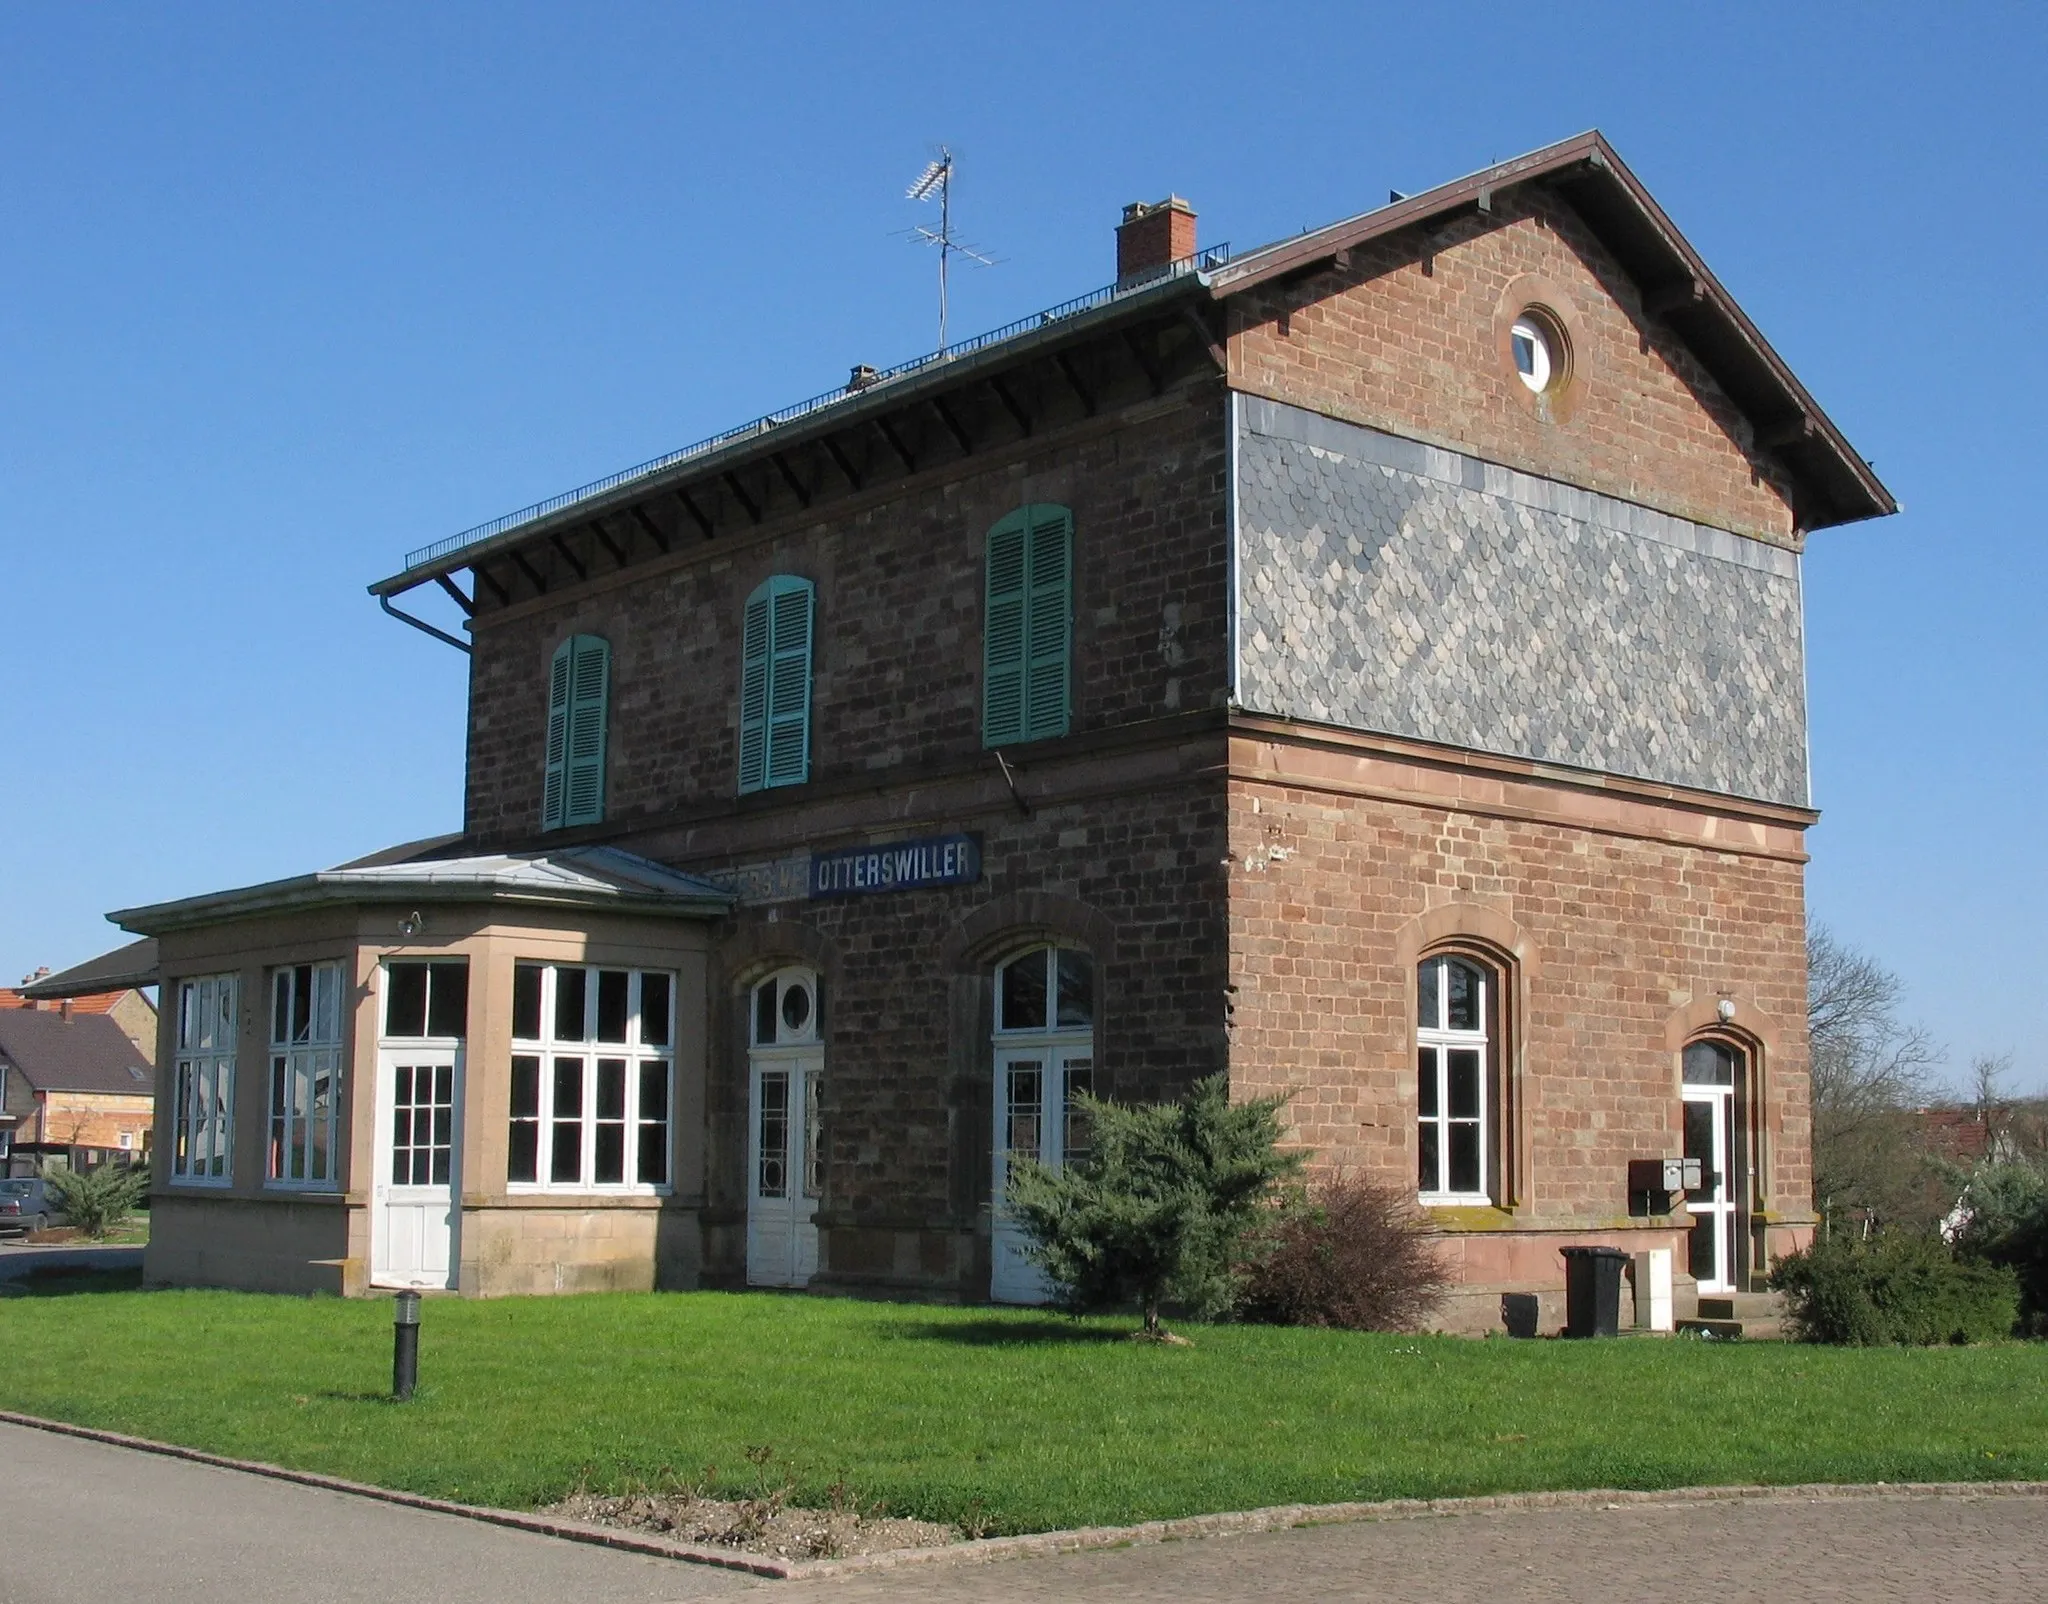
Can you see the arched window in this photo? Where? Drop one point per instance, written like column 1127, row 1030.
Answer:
column 1456, row 1039
column 1714, row 1083
column 1027, row 628
column 579, row 687
column 775, row 684
column 1044, row 1059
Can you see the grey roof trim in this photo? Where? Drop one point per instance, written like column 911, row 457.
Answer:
column 594, row 878
column 859, row 405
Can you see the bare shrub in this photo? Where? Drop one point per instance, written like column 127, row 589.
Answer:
column 1352, row 1254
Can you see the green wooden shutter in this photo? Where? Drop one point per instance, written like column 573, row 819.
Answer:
column 754, row 666
column 558, row 737
column 775, row 684
column 789, row 680
column 1003, row 637
column 589, row 661
column 1028, row 633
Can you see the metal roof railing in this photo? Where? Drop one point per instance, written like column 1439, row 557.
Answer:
column 1214, row 256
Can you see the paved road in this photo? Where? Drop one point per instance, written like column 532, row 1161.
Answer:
column 81, row 1522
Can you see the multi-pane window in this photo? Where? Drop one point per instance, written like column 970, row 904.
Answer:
column 305, row 1075
column 1045, row 1017
column 426, row 1001
column 592, row 1077
column 203, row 1083
column 1453, row 1061
column 1027, row 629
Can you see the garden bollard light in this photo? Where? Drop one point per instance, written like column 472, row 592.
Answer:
column 405, row 1345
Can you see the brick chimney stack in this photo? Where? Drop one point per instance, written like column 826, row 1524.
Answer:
column 1151, row 238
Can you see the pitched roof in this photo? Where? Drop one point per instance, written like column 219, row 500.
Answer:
column 111, row 972
column 97, row 1002
column 1832, row 483
column 572, row 877
column 86, row 1053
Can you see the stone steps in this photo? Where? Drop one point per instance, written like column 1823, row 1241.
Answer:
column 1754, row 1315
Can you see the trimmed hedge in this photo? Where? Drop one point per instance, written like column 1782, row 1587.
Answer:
column 1897, row 1288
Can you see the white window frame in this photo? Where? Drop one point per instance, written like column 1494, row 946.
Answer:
column 1542, row 354
column 299, row 1056
column 1437, row 1038
column 209, row 1020
column 1068, row 1050
column 637, row 1055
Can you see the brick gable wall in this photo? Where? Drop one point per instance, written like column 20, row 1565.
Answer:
column 1406, row 338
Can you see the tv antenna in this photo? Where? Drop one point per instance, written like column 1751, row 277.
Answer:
column 937, row 179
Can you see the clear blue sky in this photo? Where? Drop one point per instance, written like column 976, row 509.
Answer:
column 288, row 290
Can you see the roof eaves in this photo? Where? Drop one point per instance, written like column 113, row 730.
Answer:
column 858, row 406
column 332, row 888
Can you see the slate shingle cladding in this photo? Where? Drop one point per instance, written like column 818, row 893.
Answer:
column 1401, row 588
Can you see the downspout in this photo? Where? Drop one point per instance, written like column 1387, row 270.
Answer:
column 461, row 646
column 1235, row 577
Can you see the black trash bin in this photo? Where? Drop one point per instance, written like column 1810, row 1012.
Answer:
column 1592, row 1291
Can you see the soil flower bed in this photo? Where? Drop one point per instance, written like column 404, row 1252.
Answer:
column 768, row 1526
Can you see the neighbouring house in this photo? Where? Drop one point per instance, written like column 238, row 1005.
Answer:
column 1369, row 666
column 75, row 1089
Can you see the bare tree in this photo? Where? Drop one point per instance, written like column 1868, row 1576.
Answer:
column 1871, row 1070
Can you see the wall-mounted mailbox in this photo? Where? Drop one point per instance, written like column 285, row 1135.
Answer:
column 1663, row 1174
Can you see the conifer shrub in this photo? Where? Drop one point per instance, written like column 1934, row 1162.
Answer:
column 1898, row 1288
column 1156, row 1209
column 100, row 1199
column 1350, row 1254
column 2005, row 1221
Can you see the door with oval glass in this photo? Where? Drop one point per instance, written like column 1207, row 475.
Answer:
column 1044, row 1058
column 785, row 1151
column 1713, row 1074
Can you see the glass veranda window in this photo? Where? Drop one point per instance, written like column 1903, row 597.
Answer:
column 592, row 1078
column 305, row 1075
column 1453, row 1063
column 203, row 1081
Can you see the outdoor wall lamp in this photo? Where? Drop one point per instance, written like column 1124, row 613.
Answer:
column 1726, row 1010
column 405, row 1345
column 412, row 924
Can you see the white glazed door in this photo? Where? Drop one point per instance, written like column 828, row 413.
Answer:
column 1709, row 1137
column 785, row 1167
column 413, row 1221
column 1034, row 1119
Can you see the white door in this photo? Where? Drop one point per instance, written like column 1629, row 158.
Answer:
column 786, row 1168
column 412, row 1220
column 1035, row 1086
column 1709, row 1137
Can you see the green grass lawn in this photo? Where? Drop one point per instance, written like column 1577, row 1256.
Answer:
column 1027, row 1421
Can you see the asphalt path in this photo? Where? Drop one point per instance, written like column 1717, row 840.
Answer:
column 85, row 1521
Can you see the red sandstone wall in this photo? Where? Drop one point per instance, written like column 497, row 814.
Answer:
column 1414, row 344
column 1622, row 934
column 898, row 654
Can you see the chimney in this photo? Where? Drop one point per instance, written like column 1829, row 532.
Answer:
column 1151, row 238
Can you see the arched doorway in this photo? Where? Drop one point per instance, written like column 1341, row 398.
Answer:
column 1044, row 1055
column 1715, row 1078
column 785, row 1156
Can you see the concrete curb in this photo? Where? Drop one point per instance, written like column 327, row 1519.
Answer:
column 1278, row 1517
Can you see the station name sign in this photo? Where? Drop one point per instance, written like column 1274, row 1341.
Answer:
column 933, row 860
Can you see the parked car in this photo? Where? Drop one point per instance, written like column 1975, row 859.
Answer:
column 26, row 1204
